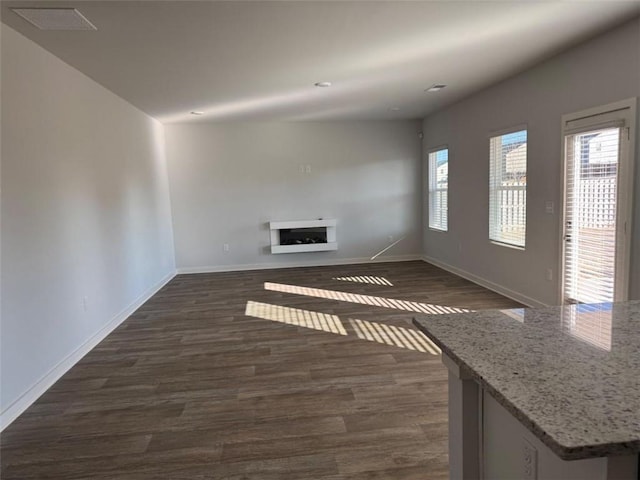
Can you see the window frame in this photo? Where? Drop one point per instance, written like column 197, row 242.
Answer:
column 495, row 134
column 430, row 182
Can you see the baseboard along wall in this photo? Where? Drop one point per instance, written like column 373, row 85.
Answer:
column 494, row 287
column 321, row 263
column 14, row 410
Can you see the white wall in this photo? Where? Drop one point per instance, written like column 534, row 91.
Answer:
column 85, row 213
column 229, row 180
column 598, row 72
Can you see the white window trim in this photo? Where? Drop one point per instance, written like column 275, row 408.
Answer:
column 429, row 152
column 499, row 133
column 508, row 130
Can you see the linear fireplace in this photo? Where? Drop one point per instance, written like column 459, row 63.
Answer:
column 303, row 236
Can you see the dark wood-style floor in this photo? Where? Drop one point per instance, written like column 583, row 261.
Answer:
column 189, row 387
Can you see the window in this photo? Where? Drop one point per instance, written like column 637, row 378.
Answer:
column 438, row 187
column 508, row 188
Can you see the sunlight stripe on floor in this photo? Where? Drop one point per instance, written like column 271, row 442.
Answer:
column 427, row 308
column 374, row 280
column 395, row 336
column 371, row 331
column 295, row 316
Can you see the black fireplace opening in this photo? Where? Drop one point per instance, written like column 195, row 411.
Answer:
column 303, row 236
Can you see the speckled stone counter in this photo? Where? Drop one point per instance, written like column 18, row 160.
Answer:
column 571, row 375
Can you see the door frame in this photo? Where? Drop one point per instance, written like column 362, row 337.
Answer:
column 624, row 110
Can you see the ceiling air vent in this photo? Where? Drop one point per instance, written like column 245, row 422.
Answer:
column 55, row 18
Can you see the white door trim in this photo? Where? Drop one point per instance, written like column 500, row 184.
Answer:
column 617, row 112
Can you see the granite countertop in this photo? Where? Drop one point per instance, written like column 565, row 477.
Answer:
column 570, row 374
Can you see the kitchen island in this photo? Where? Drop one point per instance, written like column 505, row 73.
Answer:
column 551, row 393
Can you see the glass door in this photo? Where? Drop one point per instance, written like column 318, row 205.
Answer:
column 592, row 159
column 596, row 212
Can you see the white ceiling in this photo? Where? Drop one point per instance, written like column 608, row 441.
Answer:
column 242, row 60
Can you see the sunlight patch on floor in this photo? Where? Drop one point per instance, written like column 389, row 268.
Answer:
column 366, row 279
column 394, row 336
column 407, row 305
column 296, row 316
column 371, row 331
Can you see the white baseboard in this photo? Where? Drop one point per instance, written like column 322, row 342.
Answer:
column 513, row 295
column 15, row 409
column 318, row 263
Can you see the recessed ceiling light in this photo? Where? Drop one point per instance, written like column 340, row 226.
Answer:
column 322, row 84
column 197, row 112
column 435, row 88
column 395, row 109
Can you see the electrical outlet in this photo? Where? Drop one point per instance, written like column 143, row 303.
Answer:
column 225, row 247
column 301, row 168
column 529, row 461
column 390, row 238
column 308, row 169
column 549, row 274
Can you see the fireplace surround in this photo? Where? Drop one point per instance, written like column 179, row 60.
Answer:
column 303, row 236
